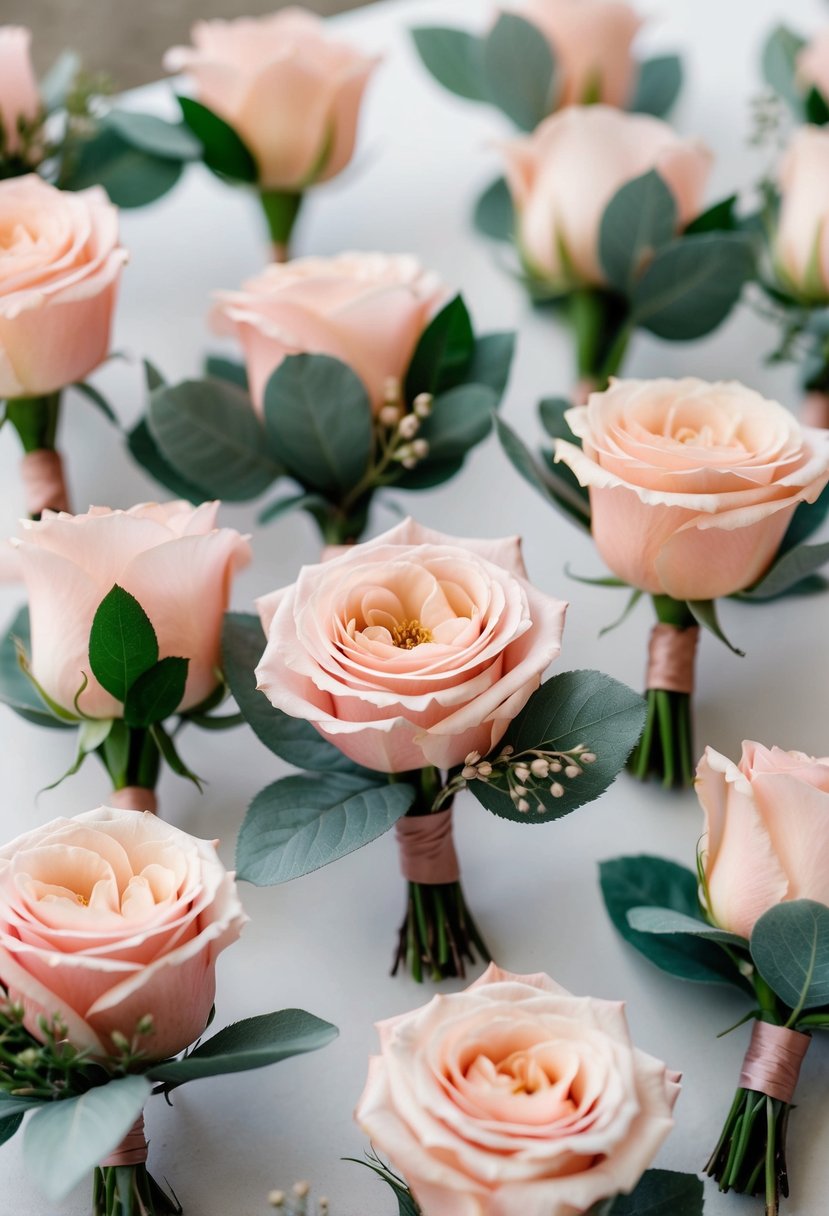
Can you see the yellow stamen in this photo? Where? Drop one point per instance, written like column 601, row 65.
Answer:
column 409, row 634
column 82, row 900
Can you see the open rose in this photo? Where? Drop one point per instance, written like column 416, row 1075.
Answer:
column 367, row 309
column 171, row 557
column 110, row 917
column 692, row 485
column 59, row 274
column 515, row 1098
column 411, row 650
column 292, row 93
column 591, row 41
column 19, row 96
column 562, row 177
column 802, row 241
column 767, row 832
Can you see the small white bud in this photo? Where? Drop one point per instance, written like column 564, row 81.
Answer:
column 409, row 426
column 520, row 790
column 485, row 769
column 469, row 772
column 472, row 758
column 276, row 1199
column 557, row 790
column 423, row 405
column 523, row 806
column 555, row 766
column 522, row 772
column 389, row 416
column 301, row 1189
column 409, row 462
column 588, row 758
column 540, row 768
column 572, row 770
column 420, row 448
column 508, row 750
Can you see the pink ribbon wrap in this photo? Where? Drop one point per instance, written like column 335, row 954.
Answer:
column 773, row 1060
column 134, row 798
column 132, row 1150
column 672, row 656
column 815, row 410
column 427, row 849
column 43, row 482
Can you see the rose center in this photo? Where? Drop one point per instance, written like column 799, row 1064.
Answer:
column 408, row 634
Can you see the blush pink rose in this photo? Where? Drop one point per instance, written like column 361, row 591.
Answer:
column 60, row 264
column 812, row 64
column 19, row 94
column 802, row 240
column 171, row 557
column 110, row 917
column 591, row 41
column 766, row 832
column 692, row 485
column 290, row 91
column 411, row 650
column 562, row 177
column 367, row 309
column 515, row 1098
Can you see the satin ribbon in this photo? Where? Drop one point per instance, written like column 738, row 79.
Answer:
column 427, row 849
column 43, row 482
column 132, row 1150
column 773, row 1060
column 671, row 657
column 134, row 798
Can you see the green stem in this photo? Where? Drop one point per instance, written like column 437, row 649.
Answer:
column 130, row 1190
column 666, row 749
column 36, row 421
column 281, row 209
column 602, row 327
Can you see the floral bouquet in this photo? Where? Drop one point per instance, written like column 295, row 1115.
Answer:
column 361, row 376
column 691, row 491
column 398, row 674
column 122, row 631
column 514, row 1098
column 59, row 277
column 110, row 927
column 753, row 914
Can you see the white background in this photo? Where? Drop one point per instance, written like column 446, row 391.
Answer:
column 324, row 942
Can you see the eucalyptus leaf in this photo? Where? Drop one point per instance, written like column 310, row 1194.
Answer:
column 692, row 285
column 224, row 152
column 460, row 419
column 494, row 214
column 668, row 922
column 491, row 361
column 444, row 352
column 427, row 473
column 300, row 824
column 454, row 58
column 789, row 570
column 221, row 368
column 144, row 451
column 9, row 1126
column 252, row 1043
column 790, row 948
column 557, row 490
column 573, row 708
column 551, row 411
column 658, row 86
column 806, row 520
column 640, row 219
column 12, row 1105
column 780, row 65
column 315, row 504
column 16, row 689
column 56, row 84
column 663, row 1193
column 719, row 217
column 130, row 176
column 149, row 133
column 122, row 642
column 520, row 70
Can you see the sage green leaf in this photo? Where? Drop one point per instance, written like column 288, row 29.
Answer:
column 157, row 693
column 494, row 214
column 426, row 474
column 16, row 689
column 144, row 451
column 520, row 71
column 667, row 922
column 640, row 219
column 704, row 613
column 663, row 1193
column 208, row 432
column 551, row 411
column 460, row 419
column 789, row 570
column 314, row 504
column 805, row 522
column 169, row 140
column 692, row 285
column 9, row 1126
column 59, row 79
column 227, row 369
column 636, row 882
column 224, row 150
column 454, row 58
column 444, row 352
column 12, row 1105
column 573, row 708
column 122, row 642
column 252, row 1043
column 491, row 361
column 318, row 422
column 780, row 66
column 300, row 824
column 131, row 177
column 97, row 399
column 790, row 948
column 292, row 739
column 658, row 86
column 65, row 1140
column 553, row 483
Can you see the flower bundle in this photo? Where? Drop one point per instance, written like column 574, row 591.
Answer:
column 400, row 673
column 754, row 915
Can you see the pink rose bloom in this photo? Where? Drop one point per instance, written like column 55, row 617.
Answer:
column 171, row 557
column 591, row 41
column 563, row 176
column 110, row 917
column 411, row 650
column 767, row 832
column 367, row 309
column 802, row 241
column 515, row 1098
column 812, row 64
column 292, row 93
column 59, row 273
column 692, row 485
column 19, row 94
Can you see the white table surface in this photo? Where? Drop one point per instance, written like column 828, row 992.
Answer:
column 324, row 942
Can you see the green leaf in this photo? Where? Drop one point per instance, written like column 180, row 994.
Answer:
column 252, row 1043
column 790, row 948
column 314, row 504
column 780, row 66
column 794, row 566
column 494, row 214
column 455, row 59
column 658, row 86
column 704, row 613
column 692, row 285
column 635, row 882
column 551, row 411
column 491, row 361
column 520, row 71
column 152, row 376
column 59, row 79
column 64, row 1140
column 300, row 824
column 633, row 599
column 16, row 689
column 131, row 178
column 122, row 642
column 208, row 432
column 148, row 133
column 227, row 369
column 459, row 420
column 640, row 219
column 157, row 693
column 817, row 111
column 9, row 1126
column 97, row 399
column 144, row 451
column 224, row 151
column 805, row 522
column 168, row 750
column 426, row 474
column 12, row 1105
column 718, row 218
column 557, row 490
column 576, row 707
column 444, row 352
column 292, row 739
column 667, row 922
column 663, row 1193
column 319, row 423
